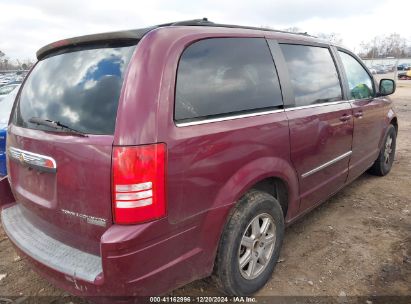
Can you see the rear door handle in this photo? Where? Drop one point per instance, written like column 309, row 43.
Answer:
column 345, row 117
column 358, row 114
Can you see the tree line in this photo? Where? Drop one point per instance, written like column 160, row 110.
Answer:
column 383, row 46
column 392, row 45
column 7, row 64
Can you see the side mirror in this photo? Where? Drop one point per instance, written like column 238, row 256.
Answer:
column 387, row 87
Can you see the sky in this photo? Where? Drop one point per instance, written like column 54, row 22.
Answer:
column 26, row 26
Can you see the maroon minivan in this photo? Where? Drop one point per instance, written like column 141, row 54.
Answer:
column 142, row 160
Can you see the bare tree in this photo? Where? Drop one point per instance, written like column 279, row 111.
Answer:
column 2, row 58
column 7, row 64
column 334, row 38
column 293, row 29
column 392, row 45
column 395, row 45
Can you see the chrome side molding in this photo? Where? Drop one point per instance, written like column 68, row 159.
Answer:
column 34, row 160
column 316, row 105
column 224, row 118
column 327, row 164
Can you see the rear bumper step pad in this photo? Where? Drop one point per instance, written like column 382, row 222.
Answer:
column 47, row 250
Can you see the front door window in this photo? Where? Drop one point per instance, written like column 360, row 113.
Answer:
column 359, row 81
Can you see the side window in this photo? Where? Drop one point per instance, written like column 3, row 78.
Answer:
column 226, row 75
column 313, row 74
column 359, row 82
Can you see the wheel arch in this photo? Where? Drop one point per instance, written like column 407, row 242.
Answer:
column 390, row 119
column 256, row 174
column 270, row 174
column 394, row 122
column 276, row 187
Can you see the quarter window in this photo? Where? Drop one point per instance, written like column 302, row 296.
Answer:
column 359, row 81
column 226, row 75
column 313, row 74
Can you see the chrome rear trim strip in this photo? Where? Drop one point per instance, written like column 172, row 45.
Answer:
column 32, row 159
column 327, row 164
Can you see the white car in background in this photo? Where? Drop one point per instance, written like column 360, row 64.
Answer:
column 7, row 89
column 373, row 71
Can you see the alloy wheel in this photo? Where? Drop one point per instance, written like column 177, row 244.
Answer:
column 257, row 246
column 388, row 149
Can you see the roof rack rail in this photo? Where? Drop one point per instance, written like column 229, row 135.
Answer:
column 205, row 22
column 132, row 36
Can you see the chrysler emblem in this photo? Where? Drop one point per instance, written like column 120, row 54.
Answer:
column 21, row 158
column 33, row 160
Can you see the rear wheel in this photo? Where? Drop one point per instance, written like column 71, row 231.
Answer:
column 382, row 166
column 250, row 244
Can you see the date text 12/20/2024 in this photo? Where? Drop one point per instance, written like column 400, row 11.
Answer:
column 203, row 299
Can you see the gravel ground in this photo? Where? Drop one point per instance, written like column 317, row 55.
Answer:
column 358, row 243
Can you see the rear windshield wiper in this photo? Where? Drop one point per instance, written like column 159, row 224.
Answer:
column 56, row 125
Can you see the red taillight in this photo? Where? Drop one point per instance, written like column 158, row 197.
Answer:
column 139, row 183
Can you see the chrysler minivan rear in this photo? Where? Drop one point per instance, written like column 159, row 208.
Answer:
column 60, row 146
column 89, row 175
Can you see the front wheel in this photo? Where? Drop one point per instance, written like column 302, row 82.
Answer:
column 250, row 244
column 382, row 166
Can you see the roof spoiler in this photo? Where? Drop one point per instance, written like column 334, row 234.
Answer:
column 117, row 37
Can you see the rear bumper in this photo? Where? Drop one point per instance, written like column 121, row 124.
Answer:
column 134, row 260
column 47, row 250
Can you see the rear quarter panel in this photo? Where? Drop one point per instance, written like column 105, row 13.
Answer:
column 212, row 165
column 209, row 165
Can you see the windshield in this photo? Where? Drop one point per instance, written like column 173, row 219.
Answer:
column 79, row 89
column 6, row 104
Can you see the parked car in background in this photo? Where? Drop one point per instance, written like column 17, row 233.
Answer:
column 380, row 69
column 389, row 68
column 7, row 89
column 4, row 81
column 404, row 67
column 143, row 160
column 12, row 78
column 6, row 104
column 404, row 75
column 15, row 82
column 373, row 70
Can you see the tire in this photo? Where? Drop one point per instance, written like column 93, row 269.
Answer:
column 382, row 166
column 264, row 250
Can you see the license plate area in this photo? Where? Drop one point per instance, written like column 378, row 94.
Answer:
column 34, row 186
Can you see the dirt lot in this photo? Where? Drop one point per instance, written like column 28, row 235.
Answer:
column 356, row 244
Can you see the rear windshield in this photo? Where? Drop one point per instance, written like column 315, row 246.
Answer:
column 79, row 89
